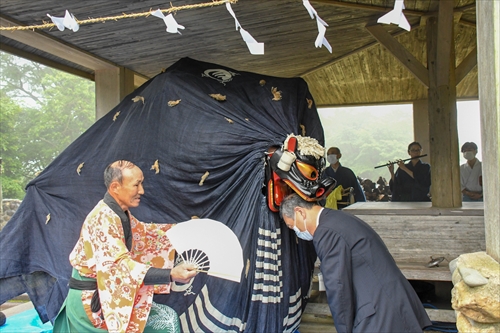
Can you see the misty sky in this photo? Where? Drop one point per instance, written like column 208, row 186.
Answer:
column 469, row 128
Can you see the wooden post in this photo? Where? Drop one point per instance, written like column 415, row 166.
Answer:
column 111, row 86
column 443, row 132
column 127, row 82
column 421, row 126
column 488, row 41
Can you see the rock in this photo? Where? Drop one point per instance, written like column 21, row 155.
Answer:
column 453, row 265
column 9, row 207
column 465, row 325
column 3, row 319
column 472, row 277
column 480, row 304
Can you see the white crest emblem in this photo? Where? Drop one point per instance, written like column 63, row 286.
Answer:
column 220, row 75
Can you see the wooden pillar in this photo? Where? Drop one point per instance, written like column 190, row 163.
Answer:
column 443, row 132
column 488, row 41
column 127, row 82
column 111, row 86
column 421, row 126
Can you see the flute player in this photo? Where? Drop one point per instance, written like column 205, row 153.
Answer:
column 412, row 181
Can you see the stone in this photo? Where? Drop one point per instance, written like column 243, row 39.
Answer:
column 472, row 277
column 465, row 325
column 480, row 304
column 453, row 265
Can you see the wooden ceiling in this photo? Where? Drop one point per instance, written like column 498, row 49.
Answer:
column 358, row 71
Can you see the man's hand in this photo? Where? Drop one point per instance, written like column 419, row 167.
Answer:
column 183, row 273
column 473, row 195
column 391, row 167
column 401, row 165
column 476, row 195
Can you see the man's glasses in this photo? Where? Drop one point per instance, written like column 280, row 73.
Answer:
column 415, row 150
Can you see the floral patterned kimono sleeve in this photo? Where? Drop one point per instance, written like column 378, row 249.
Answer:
column 125, row 301
column 153, row 248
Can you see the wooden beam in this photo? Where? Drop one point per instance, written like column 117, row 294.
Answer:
column 359, row 49
column 400, row 52
column 139, row 80
column 51, row 45
column 466, row 7
column 46, row 62
column 466, row 65
column 112, row 82
column 467, row 23
column 331, row 62
column 444, row 31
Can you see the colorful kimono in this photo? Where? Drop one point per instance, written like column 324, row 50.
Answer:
column 101, row 254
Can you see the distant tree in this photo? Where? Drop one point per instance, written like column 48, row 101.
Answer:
column 12, row 178
column 368, row 137
column 46, row 110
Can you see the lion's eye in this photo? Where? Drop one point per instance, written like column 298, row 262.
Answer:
column 307, row 170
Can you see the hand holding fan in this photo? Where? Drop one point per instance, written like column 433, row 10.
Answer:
column 210, row 245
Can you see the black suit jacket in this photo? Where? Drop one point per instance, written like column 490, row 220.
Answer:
column 406, row 188
column 366, row 291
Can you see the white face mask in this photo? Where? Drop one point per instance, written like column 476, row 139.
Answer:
column 305, row 235
column 332, row 159
column 469, row 155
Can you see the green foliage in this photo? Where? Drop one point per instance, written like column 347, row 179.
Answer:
column 368, row 136
column 9, row 148
column 42, row 111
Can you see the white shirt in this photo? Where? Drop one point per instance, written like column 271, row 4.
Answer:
column 317, row 218
column 469, row 177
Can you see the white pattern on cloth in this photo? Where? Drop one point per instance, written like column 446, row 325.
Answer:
column 164, row 318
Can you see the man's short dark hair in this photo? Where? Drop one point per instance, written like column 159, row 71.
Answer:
column 414, row 143
column 468, row 146
column 114, row 171
column 291, row 201
column 336, row 148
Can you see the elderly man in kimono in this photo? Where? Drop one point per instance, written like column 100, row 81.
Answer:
column 119, row 263
column 365, row 289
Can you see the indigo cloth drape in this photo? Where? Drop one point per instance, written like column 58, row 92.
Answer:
column 226, row 138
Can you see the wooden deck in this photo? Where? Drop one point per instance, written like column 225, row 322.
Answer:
column 415, row 231
column 414, row 208
column 318, row 318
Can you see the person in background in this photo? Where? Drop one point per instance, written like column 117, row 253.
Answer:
column 471, row 176
column 344, row 176
column 119, row 263
column 366, row 291
column 412, row 181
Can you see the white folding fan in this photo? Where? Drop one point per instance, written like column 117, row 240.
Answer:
column 210, row 245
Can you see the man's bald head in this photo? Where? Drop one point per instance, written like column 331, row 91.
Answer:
column 114, row 171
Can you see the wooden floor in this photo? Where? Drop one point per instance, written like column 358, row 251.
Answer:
column 16, row 305
column 317, row 317
column 377, row 207
column 19, row 300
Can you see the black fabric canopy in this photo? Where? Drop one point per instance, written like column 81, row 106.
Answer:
column 228, row 139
